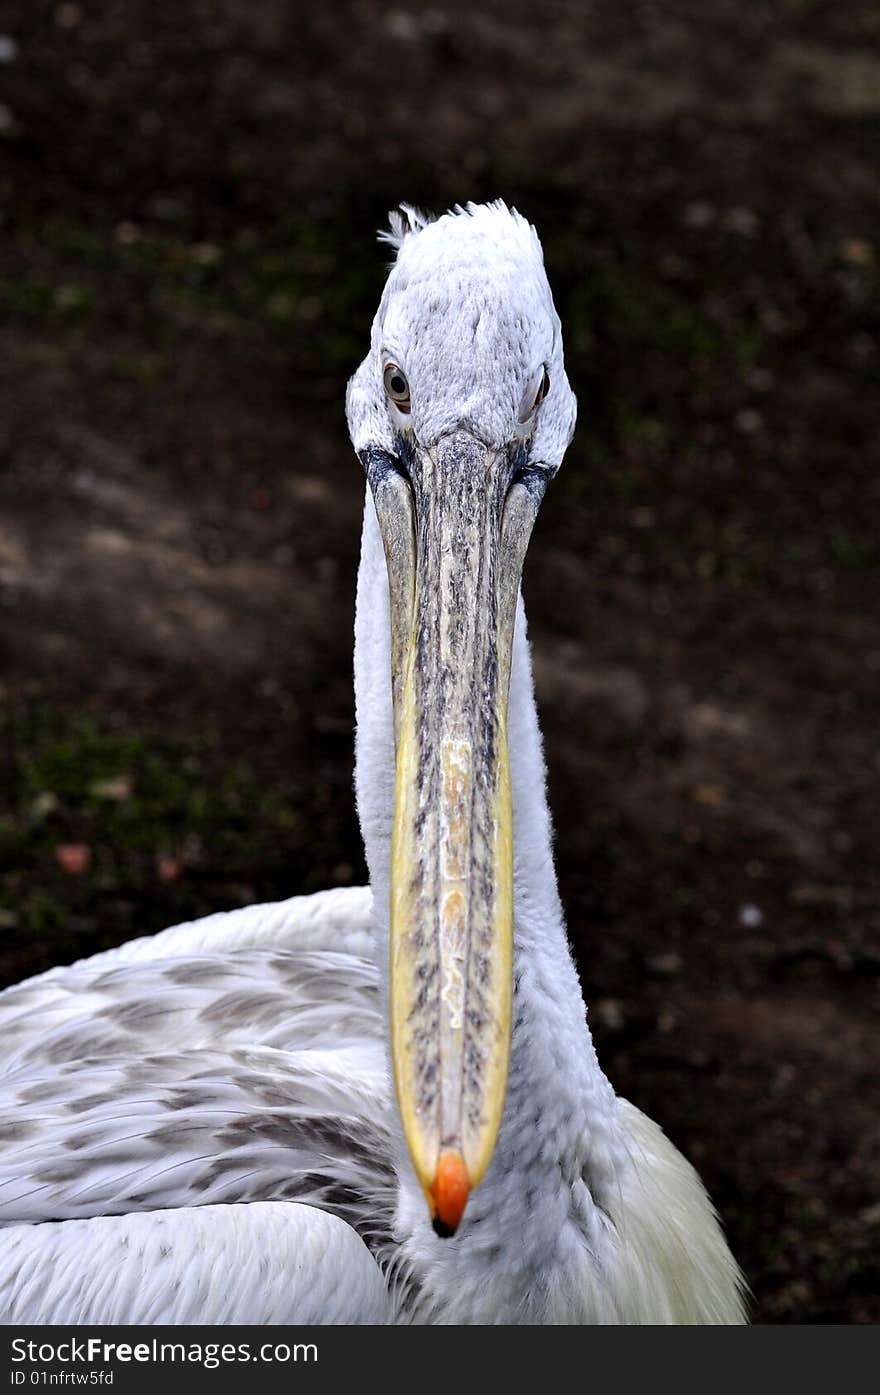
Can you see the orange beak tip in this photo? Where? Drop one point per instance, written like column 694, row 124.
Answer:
column 449, row 1193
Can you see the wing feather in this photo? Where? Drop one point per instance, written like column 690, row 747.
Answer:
column 289, row 999
column 199, row 1128
column 269, row 1263
column 337, row 919
column 187, row 1093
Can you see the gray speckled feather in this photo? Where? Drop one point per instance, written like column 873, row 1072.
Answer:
column 197, row 1127
column 280, row 997
column 132, row 1084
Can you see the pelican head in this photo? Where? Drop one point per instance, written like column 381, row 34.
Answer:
column 460, row 414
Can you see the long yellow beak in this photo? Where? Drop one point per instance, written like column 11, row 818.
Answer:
column 455, row 535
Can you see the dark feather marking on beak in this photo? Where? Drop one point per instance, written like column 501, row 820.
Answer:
column 534, row 478
column 405, row 444
column 379, row 463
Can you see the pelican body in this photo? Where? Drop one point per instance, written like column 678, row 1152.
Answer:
column 376, row 1105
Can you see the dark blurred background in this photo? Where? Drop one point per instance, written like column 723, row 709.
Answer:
column 189, row 195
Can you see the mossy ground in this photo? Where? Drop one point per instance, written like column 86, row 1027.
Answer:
column 171, row 831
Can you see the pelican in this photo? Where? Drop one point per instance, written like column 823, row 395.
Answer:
column 376, row 1105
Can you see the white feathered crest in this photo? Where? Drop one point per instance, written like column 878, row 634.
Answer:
column 402, row 222
column 407, row 220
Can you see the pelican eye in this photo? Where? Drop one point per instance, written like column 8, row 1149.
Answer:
column 396, row 386
column 542, row 390
column 531, row 404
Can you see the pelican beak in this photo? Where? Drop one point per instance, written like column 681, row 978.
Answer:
column 455, row 530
